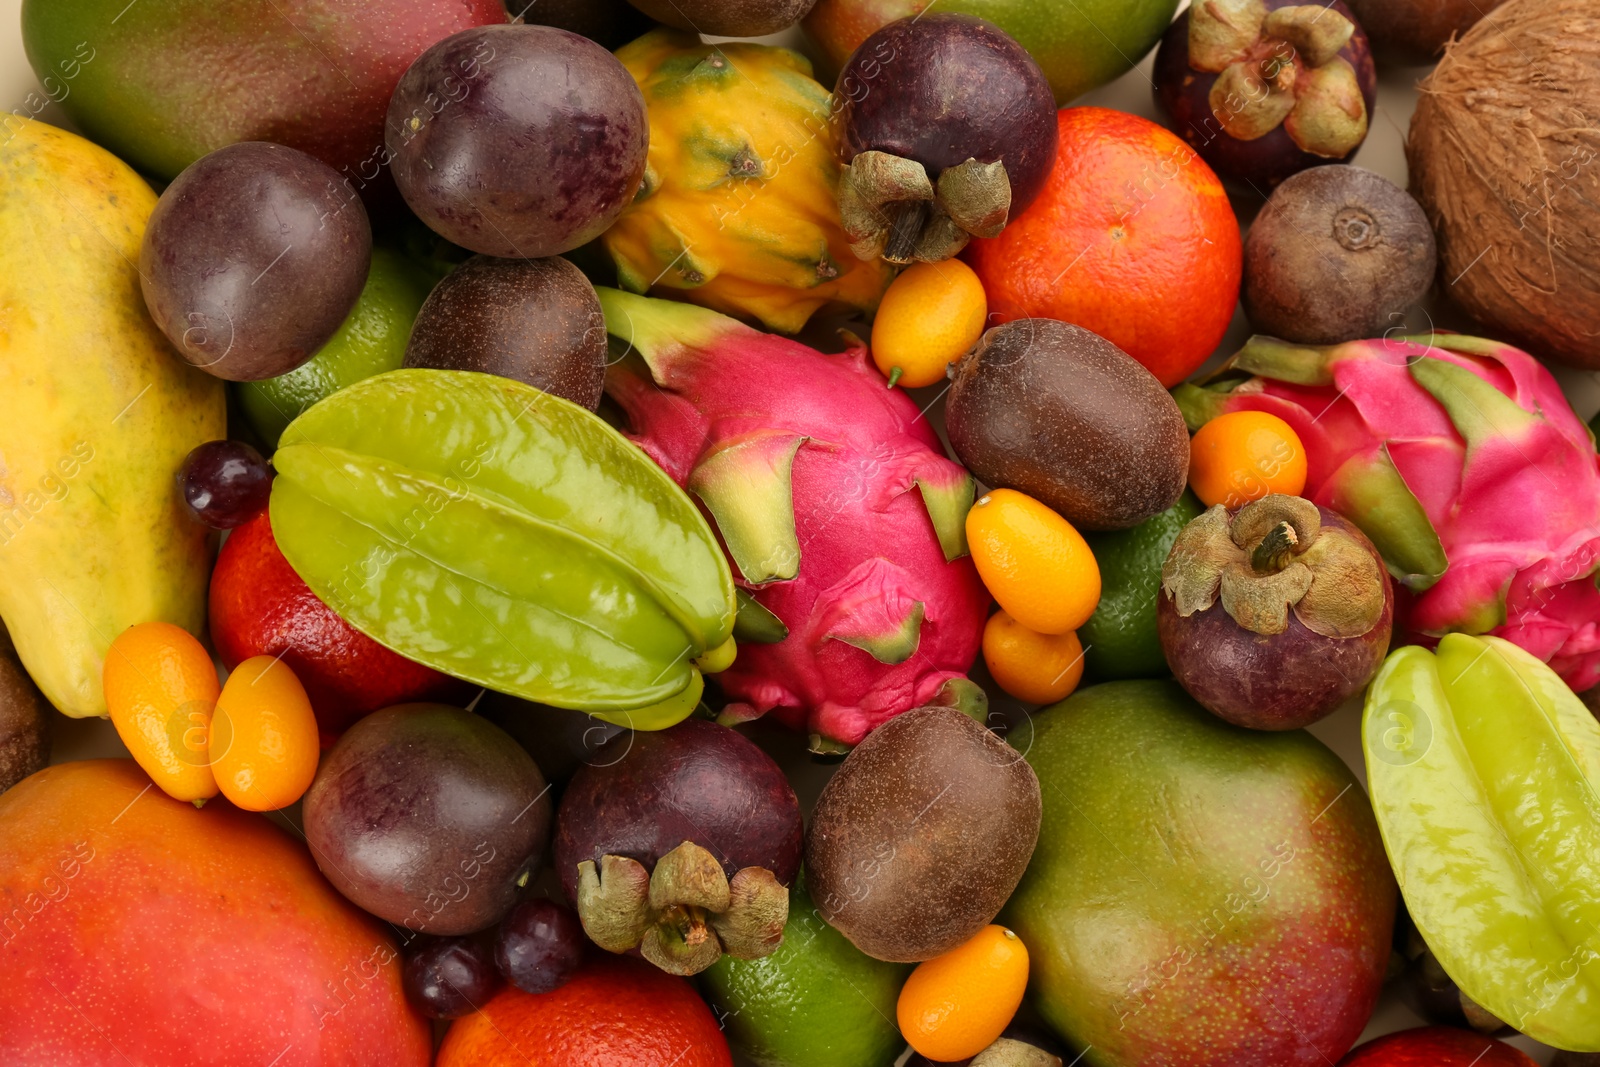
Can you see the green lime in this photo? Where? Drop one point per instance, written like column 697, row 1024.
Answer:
column 1119, row 640
column 816, row 1002
column 371, row 341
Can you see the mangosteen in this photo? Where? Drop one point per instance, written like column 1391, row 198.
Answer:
column 1415, row 31
column 1275, row 615
column 947, row 128
column 1262, row 89
column 681, row 844
column 1338, row 253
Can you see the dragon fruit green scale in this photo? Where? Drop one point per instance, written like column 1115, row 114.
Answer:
column 841, row 513
column 1463, row 462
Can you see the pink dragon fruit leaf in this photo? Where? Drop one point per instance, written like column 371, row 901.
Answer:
column 1367, row 489
column 754, row 624
column 746, row 482
column 870, row 610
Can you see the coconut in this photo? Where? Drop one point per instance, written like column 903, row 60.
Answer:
column 1505, row 158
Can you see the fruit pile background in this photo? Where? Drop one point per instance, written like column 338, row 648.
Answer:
column 1382, row 152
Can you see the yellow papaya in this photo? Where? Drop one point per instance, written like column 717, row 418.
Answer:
column 96, row 416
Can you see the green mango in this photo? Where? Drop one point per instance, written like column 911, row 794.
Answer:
column 163, row 82
column 1201, row 894
column 1485, row 774
column 371, row 340
column 506, row 536
column 817, row 1001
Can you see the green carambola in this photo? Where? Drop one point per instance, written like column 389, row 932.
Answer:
column 1485, row 774
column 505, row 536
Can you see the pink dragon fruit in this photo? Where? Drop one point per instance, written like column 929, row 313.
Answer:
column 1463, row 462
column 837, row 505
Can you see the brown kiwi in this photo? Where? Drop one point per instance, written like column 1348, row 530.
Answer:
column 24, row 720
column 1065, row 416
column 921, row 835
column 535, row 320
column 727, row 18
column 1338, row 253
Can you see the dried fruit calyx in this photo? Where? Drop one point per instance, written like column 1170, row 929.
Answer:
column 891, row 208
column 1272, row 557
column 686, row 913
column 1280, row 68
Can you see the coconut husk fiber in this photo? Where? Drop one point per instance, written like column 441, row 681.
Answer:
column 1505, row 158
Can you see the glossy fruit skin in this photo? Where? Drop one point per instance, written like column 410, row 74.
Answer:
column 958, row 1004
column 739, row 212
column 163, row 84
column 161, row 689
column 262, row 738
column 945, row 88
column 644, row 794
column 1281, row 681
column 1037, row 566
column 1435, row 1046
column 429, row 817
column 261, row 607
column 94, row 509
column 450, row 977
column 225, row 483
column 1156, row 274
column 1259, row 165
column 817, row 1001
column 118, row 881
column 931, row 315
column 371, row 340
column 497, row 151
column 535, row 320
column 1243, row 456
column 1414, row 32
column 252, row 260
column 539, row 945
column 1080, row 45
column 1482, row 767
column 1264, row 893
column 616, row 1009
column 1120, row 638
column 420, row 540
column 922, row 834
column 1063, row 415
column 1030, row 666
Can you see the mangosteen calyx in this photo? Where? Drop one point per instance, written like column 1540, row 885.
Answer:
column 890, row 207
column 1272, row 557
column 1280, row 68
column 1008, row 1052
column 683, row 915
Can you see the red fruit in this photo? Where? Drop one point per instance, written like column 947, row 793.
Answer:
column 1436, row 1046
column 1133, row 237
column 261, row 607
column 137, row 929
column 616, row 1010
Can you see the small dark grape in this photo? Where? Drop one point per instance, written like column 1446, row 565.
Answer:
column 225, row 483
column 540, row 944
column 450, row 977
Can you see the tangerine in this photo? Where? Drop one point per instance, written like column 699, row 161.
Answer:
column 1033, row 562
column 1244, row 456
column 615, row 1009
column 1133, row 238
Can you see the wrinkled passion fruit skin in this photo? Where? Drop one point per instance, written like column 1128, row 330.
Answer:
column 1184, row 94
column 945, row 88
column 517, row 141
column 642, row 794
column 1273, row 681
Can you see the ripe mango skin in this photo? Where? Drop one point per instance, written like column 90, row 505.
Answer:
column 96, row 416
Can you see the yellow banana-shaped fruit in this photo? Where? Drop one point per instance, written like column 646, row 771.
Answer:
column 96, row 416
